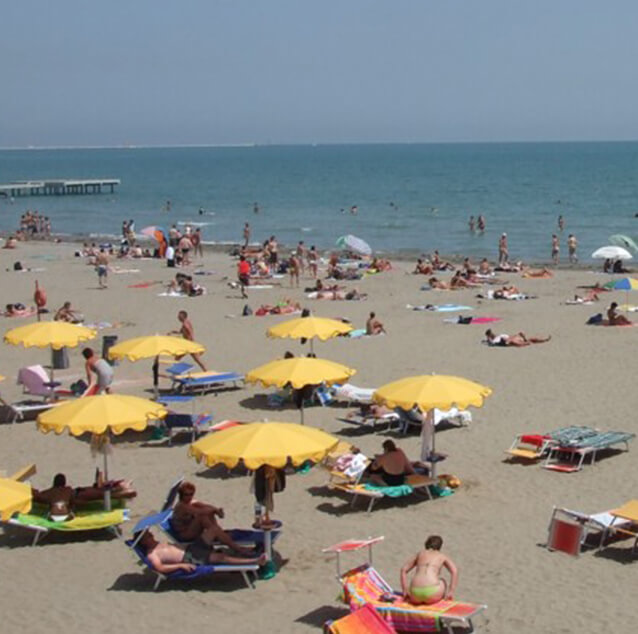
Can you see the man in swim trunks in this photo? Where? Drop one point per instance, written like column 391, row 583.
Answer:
column 102, row 268
column 426, row 586
column 167, row 558
column 188, row 332
column 391, row 467
column 518, row 340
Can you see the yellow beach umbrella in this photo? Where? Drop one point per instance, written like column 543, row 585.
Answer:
column 56, row 334
column 101, row 415
column 257, row 444
column 299, row 372
column 430, row 391
column 153, row 346
column 15, row 497
column 309, row 328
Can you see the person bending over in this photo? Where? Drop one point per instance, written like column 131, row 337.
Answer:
column 391, row 467
column 518, row 340
column 167, row 558
column 426, row 585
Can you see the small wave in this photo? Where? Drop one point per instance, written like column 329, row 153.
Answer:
column 306, row 229
column 194, row 223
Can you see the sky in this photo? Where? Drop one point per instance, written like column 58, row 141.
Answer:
column 141, row 72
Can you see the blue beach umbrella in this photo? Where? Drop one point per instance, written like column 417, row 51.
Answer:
column 623, row 284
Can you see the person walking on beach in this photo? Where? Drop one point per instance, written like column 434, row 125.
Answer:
column 243, row 275
column 555, row 249
column 503, row 252
column 246, row 234
column 102, row 268
column 293, row 268
column 188, row 332
column 572, row 243
column 196, row 241
column 312, row 261
column 302, row 253
column 427, row 586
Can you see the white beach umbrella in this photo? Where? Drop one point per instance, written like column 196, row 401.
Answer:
column 354, row 244
column 611, row 252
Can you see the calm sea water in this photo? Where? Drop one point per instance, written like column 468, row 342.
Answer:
column 409, row 197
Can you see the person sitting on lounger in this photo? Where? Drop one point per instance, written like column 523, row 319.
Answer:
column 391, row 467
column 518, row 340
column 60, row 498
column 427, row 586
column 191, row 519
column 615, row 319
column 167, row 558
column 374, row 326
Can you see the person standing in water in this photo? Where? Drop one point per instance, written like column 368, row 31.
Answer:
column 561, row 223
column 480, row 223
column 572, row 243
column 246, row 234
column 471, row 224
column 427, row 586
column 555, row 248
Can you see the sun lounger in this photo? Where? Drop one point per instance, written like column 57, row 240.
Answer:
column 412, row 418
column 365, row 620
column 90, row 517
column 414, row 484
column 570, row 531
column 205, row 381
column 36, row 382
column 536, row 446
column 352, row 394
column 365, row 586
column 570, row 457
column 344, row 465
column 371, row 422
column 200, row 570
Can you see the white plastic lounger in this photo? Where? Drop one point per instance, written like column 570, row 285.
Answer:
column 353, row 394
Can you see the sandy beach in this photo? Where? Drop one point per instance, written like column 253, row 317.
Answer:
column 493, row 526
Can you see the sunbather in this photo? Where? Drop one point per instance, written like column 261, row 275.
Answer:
column 427, row 586
column 60, row 498
column 437, row 284
column 167, row 558
column 192, row 518
column 374, row 326
column 542, row 273
column 423, row 268
column 518, row 340
column 66, row 313
column 615, row 319
column 391, row 467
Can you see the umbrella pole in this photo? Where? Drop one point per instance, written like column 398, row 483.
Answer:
column 107, row 490
column 302, row 419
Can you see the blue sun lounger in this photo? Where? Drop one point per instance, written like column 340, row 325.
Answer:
column 204, row 381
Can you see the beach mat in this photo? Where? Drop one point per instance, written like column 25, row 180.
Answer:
column 441, row 308
column 474, row 320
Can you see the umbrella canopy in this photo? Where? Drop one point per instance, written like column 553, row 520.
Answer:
column 15, row 497
column 432, row 390
column 57, row 334
column 153, row 346
column 626, row 242
column 100, row 414
column 611, row 252
column 299, row 372
column 157, row 233
column 623, row 284
column 257, row 444
column 354, row 244
column 308, row 328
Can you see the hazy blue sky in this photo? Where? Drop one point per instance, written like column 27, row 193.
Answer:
column 296, row 71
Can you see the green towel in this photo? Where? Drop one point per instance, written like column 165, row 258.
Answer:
column 392, row 492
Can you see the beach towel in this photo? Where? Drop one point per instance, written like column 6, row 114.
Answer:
column 472, row 320
column 442, row 308
column 258, row 287
column 390, row 491
column 84, row 520
column 144, row 284
column 355, row 334
column 119, row 271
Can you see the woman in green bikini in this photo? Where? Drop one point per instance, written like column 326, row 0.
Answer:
column 426, row 585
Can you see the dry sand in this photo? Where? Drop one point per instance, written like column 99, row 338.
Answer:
column 493, row 526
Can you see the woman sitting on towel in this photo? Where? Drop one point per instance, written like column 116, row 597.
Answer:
column 391, row 467
column 615, row 319
column 426, row 586
column 518, row 340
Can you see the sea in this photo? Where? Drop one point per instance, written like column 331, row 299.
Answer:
column 408, row 198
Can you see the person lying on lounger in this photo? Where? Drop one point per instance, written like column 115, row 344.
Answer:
column 427, row 586
column 391, row 467
column 192, row 518
column 615, row 319
column 518, row 340
column 167, row 558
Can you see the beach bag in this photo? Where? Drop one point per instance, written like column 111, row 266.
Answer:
column 464, row 320
column 595, row 319
column 79, row 387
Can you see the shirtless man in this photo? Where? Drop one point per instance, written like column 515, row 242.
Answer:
column 518, row 340
column 391, row 467
column 66, row 313
column 188, row 332
column 102, row 268
column 246, row 234
column 427, row 586
column 193, row 519
column 503, row 252
column 422, row 268
column 167, row 558
column 374, row 326
column 59, row 497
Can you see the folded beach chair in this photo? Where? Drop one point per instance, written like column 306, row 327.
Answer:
column 203, row 382
column 364, row 586
column 200, row 570
column 571, row 531
column 414, row 484
column 365, row 620
column 536, row 446
column 90, row 517
column 36, row 382
column 569, row 457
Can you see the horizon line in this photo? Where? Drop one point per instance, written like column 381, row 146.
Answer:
column 133, row 146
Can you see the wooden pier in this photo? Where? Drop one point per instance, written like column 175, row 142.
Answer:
column 59, row 187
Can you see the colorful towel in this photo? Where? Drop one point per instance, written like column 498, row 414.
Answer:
column 83, row 521
column 364, row 621
column 391, row 492
column 473, row 320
